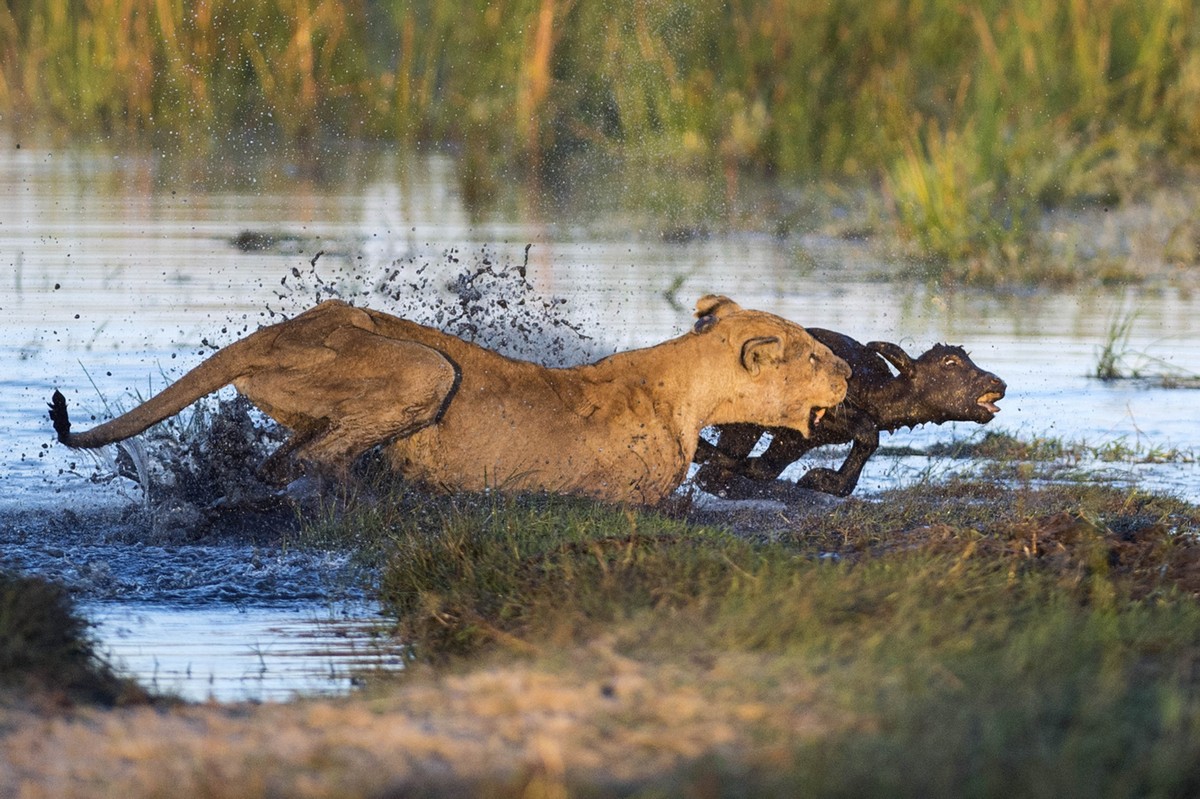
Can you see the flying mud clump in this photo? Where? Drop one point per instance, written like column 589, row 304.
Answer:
column 480, row 298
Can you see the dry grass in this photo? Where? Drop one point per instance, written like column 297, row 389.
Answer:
column 592, row 722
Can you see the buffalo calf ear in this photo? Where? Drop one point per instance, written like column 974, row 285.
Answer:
column 716, row 306
column 894, row 354
column 759, row 351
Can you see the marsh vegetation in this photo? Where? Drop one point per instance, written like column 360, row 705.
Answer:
column 1012, row 617
column 969, row 125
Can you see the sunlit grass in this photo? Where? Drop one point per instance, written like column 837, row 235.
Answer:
column 1013, row 636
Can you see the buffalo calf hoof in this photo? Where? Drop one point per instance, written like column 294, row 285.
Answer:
column 827, row 481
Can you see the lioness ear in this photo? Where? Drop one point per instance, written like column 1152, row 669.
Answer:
column 759, row 351
column 716, row 305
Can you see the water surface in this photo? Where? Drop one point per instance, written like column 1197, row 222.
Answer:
column 254, row 653
column 119, row 270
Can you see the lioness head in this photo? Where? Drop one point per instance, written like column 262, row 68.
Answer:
column 783, row 377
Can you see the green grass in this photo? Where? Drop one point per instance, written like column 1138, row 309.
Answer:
column 1117, row 360
column 973, row 639
column 972, row 120
column 1007, row 448
column 46, row 651
column 1110, row 363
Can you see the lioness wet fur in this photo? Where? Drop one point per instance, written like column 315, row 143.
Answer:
column 455, row 415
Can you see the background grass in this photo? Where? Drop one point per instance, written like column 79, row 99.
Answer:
column 971, row 118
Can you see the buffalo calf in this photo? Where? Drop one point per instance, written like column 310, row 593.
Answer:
column 942, row 385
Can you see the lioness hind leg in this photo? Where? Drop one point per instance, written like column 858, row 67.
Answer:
column 357, row 389
column 336, row 447
column 281, row 466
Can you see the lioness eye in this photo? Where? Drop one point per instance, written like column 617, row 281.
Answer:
column 813, row 359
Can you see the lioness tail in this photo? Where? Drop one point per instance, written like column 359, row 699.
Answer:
column 59, row 417
column 219, row 370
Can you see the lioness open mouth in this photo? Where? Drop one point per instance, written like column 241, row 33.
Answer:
column 988, row 401
column 817, row 415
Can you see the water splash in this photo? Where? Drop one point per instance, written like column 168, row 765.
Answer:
column 481, row 297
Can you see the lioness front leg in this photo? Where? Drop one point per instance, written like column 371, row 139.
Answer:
column 720, row 462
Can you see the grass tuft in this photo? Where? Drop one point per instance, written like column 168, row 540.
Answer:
column 1110, row 364
column 1117, row 360
column 1027, row 639
column 46, row 651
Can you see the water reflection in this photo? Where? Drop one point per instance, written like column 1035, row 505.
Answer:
column 227, row 653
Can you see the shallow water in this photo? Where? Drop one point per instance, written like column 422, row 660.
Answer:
column 254, row 653
column 116, row 268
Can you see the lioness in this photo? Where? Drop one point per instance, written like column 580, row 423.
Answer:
column 455, row 415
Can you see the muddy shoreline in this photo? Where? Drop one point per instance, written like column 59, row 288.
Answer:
column 942, row 609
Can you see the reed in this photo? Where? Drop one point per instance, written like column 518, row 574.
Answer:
column 1113, row 353
column 973, row 118
column 1116, row 359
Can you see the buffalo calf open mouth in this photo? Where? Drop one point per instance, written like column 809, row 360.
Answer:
column 988, row 401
